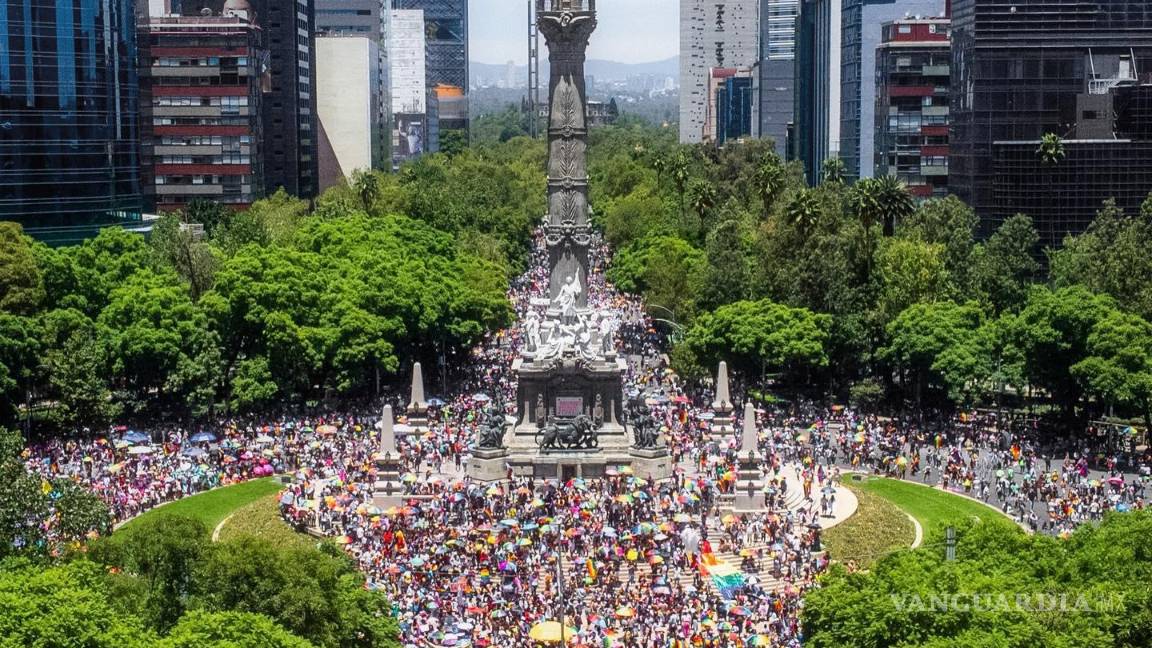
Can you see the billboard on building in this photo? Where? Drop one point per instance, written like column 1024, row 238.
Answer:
column 410, row 136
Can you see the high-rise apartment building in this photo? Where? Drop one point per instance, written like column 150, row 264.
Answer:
column 861, row 21
column 68, row 116
column 777, row 70
column 817, row 95
column 201, row 100
column 1065, row 67
column 911, row 125
column 713, row 34
column 731, row 105
column 289, row 146
column 410, row 91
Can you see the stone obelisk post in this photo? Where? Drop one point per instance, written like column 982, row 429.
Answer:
column 566, row 26
column 417, row 409
column 388, row 491
column 722, row 403
column 749, row 483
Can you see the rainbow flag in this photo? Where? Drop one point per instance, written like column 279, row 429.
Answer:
column 724, row 576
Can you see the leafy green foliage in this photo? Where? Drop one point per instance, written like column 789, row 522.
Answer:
column 1033, row 591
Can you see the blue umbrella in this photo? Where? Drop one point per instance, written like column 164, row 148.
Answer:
column 193, row 452
column 436, row 401
column 203, row 437
column 132, row 436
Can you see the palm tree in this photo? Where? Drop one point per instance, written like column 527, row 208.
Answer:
column 832, row 171
column 659, row 165
column 367, row 187
column 769, row 180
column 1051, row 150
column 679, row 168
column 803, row 211
column 884, row 201
column 701, row 198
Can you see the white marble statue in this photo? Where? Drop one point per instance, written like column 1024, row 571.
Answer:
column 566, row 298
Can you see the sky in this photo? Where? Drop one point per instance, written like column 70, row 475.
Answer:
column 627, row 31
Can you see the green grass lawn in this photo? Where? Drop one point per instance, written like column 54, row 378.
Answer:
column 261, row 518
column 215, row 505
column 877, row 528
column 933, row 508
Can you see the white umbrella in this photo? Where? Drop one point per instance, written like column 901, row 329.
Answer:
column 481, row 398
column 140, row 450
column 403, row 428
column 264, row 438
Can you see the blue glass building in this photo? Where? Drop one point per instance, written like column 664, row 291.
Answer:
column 68, row 115
column 734, row 109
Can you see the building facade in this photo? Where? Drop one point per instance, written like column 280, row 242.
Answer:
column 816, row 135
column 911, row 125
column 1034, row 68
column 713, row 34
column 290, row 125
column 408, row 57
column 68, row 116
column 201, row 111
column 731, row 105
column 446, row 39
column 777, row 73
column 861, row 34
column 348, row 84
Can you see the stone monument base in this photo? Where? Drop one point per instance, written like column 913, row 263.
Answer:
column 387, row 494
column 488, row 465
column 651, row 463
column 749, row 493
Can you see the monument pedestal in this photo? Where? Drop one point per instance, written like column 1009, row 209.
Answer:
column 651, row 463
column 488, row 464
column 749, row 493
column 388, row 490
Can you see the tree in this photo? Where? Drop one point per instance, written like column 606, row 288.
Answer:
column 951, row 224
column 756, row 336
column 1118, row 368
column 883, row 201
column 160, row 552
column 21, row 283
column 803, row 211
column 679, row 168
column 936, row 341
column 1051, row 149
column 315, row 596
column 769, row 178
column 161, row 349
column 667, row 270
column 208, row 213
column 701, row 198
column 910, row 272
column 179, row 248
column 19, row 362
column 832, row 170
column 63, row 605
column 200, row 629
column 1052, row 333
column 453, row 142
column 1111, row 257
column 367, row 186
column 1004, row 267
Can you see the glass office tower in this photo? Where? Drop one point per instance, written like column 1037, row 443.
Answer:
column 68, row 115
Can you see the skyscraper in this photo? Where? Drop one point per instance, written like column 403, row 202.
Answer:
column 446, row 33
column 352, row 136
column 713, row 34
column 817, row 95
column 777, row 69
column 1062, row 67
column 68, row 115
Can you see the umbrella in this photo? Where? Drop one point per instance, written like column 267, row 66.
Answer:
column 551, row 632
column 191, row 452
column 133, row 436
column 264, row 438
column 203, row 437
column 403, row 428
column 624, row 611
column 326, row 429
column 481, row 398
column 140, row 450
column 435, row 402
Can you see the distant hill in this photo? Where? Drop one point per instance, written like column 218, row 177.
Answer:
column 601, row 69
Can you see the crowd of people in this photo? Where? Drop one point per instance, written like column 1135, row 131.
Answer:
column 623, row 560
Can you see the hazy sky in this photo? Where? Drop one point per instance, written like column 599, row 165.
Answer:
column 628, row 31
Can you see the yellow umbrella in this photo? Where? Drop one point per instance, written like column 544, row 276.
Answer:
column 551, row 632
column 625, row 611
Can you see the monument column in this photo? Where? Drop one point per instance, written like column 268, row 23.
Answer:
column 566, row 26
